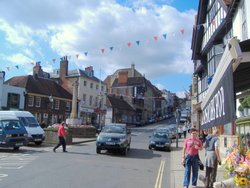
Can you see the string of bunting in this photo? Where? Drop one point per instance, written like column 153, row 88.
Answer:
column 86, row 53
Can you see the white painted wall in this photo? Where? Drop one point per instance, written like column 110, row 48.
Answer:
column 1, row 87
column 12, row 89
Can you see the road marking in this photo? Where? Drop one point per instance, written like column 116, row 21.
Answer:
column 160, row 174
column 3, row 176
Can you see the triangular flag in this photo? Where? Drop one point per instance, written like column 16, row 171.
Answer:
column 165, row 36
column 129, row 44
column 102, row 50
column 38, row 62
column 138, row 42
column 53, row 60
column 85, row 53
column 17, row 66
column 111, row 48
column 77, row 55
column 8, row 68
column 32, row 63
column 182, row 31
column 155, row 38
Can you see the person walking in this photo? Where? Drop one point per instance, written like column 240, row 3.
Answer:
column 212, row 158
column 185, row 130
column 190, row 158
column 62, row 133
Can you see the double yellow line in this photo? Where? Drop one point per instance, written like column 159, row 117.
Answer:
column 160, row 174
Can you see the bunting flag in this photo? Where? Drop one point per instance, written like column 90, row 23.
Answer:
column 38, row 62
column 182, row 31
column 155, row 38
column 111, row 48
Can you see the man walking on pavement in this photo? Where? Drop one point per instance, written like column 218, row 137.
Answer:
column 62, row 133
column 190, row 158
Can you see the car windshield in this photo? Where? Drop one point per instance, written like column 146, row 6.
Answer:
column 29, row 121
column 161, row 135
column 10, row 124
column 113, row 129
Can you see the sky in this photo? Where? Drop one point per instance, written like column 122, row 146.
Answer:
column 155, row 35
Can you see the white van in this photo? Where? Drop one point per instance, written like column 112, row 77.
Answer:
column 35, row 132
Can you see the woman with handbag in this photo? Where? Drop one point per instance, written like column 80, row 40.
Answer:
column 190, row 158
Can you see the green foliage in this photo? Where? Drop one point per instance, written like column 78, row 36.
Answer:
column 245, row 103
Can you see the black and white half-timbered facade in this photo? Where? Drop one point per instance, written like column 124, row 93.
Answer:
column 221, row 57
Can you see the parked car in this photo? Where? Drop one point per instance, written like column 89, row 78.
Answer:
column 12, row 133
column 114, row 137
column 160, row 140
column 35, row 132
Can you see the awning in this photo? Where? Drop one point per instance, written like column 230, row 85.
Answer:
column 218, row 106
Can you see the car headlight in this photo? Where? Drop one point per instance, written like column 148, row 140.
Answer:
column 122, row 139
column 152, row 142
column 8, row 135
column 99, row 138
column 26, row 135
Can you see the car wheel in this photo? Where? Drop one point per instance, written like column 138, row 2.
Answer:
column 38, row 143
column 125, row 151
column 149, row 147
column 16, row 148
column 98, row 150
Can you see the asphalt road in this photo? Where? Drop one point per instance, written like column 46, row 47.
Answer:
column 81, row 167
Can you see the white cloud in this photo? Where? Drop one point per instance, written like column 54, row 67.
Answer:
column 87, row 26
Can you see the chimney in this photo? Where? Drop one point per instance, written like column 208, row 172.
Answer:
column 63, row 67
column 123, row 78
column 37, row 70
column 89, row 70
column 133, row 70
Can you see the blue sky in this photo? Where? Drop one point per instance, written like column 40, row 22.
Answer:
column 155, row 35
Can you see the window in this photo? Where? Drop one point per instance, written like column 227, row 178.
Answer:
column 38, row 102
column 84, row 97
column 244, row 22
column 57, row 104
column 102, row 88
column 85, row 83
column 90, row 100
column 67, row 106
column 91, row 85
column 96, row 101
column 97, row 86
column 31, row 101
column 13, row 100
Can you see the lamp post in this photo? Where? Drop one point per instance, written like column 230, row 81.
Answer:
column 99, row 110
column 51, row 100
column 178, row 116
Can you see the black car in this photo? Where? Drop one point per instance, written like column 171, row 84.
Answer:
column 114, row 137
column 160, row 140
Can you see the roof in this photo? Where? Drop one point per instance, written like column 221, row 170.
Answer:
column 43, row 86
column 119, row 103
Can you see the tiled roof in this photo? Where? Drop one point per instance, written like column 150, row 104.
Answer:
column 39, row 86
column 119, row 103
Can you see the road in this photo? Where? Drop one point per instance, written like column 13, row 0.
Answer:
column 40, row 167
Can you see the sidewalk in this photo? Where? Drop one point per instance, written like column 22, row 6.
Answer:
column 177, row 170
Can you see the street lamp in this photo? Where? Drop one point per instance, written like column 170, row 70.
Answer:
column 178, row 116
column 51, row 100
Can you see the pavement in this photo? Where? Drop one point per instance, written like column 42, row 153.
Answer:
column 177, row 169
